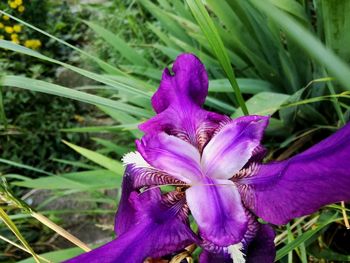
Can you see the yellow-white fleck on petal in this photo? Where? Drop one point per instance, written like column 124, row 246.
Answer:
column 134, row 158
column 236, row 253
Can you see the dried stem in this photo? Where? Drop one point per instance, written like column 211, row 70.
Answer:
column 23, row 248
column 64, row 233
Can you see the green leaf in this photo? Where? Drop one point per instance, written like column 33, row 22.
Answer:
column 326, row 253
column 247, row 86
column 9, row 223
column 306, row 235
column 23, row 166
column 101, row 160
column 113, row 82
column 292, row 7
column 308, row 42
column 119, row 44
column 53, row 89
column 213, row 37
column 336, row 26
column 57, row 256
column 87, row 180
column 101, row 63
column 263, row 103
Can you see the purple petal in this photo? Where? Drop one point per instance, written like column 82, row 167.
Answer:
column 171, row 155
column 178, row 102
column 189, row 82
column 125, row 217
column 262, row 248
column 301, row 185
column 157, row 231
column 207, row 257
column 231, row 148
column 216, row 207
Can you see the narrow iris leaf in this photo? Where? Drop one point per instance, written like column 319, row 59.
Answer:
column 212, row 35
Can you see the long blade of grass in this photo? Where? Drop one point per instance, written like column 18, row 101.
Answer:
column 22, row 248
column 104, row 65
column 119, row 85
column 208, row 28
column 9, row 223
column 53, row 89
column 302, row 238
column 98, row 158
column 23, row 166
column 309, row 43
column 119, row 44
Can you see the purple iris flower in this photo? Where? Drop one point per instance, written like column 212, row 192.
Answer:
column 214, row 164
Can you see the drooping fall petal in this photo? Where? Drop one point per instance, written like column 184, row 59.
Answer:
column 281, row 191
column 158, row 229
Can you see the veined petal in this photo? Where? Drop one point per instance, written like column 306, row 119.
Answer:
column 159, row 230
column 231, row 148
column 281, row 191
column 216, row 206
column 171, row 155
column 189, row 82
column 134, row 179
column 178, row 102
column 207, row 257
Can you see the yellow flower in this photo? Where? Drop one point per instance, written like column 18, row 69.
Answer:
column 6, row 17
column 9, row 29
column 32, row 43
column 18, row 2
column 1, row 37
column 17, row 28
column 14, row 36
column 16, row 41
column 21, row 8
column 13, row 5
column 1, row 25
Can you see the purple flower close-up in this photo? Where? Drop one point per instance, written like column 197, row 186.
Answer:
column 214, row 166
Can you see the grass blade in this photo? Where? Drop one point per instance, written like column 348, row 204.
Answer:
column 309, row 43
column 119, row 44
column 98, row 158
column 7, row 220
column 53, row 89
column 208, row 28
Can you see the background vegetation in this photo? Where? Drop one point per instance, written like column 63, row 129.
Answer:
column 102, row 61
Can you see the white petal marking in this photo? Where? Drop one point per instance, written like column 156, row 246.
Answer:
column 134, row 158
column 236, row 253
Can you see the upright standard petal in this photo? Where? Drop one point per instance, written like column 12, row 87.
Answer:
column 231, row 148
column 172, row 155
column 281, row 191
column 189, row 82
column 178, row 102
column 216, row 206
column 159, row 229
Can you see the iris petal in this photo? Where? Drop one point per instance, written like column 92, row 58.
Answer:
column 231, row 148
column 172, row 155
column 158, row 230
column 178, row 102
column 262, row 248
column 216, row 207
column 188, row 83
column 302, row 184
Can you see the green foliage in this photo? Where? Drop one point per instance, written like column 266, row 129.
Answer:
column 290, row 60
